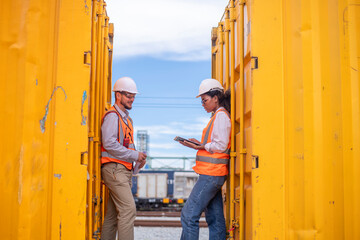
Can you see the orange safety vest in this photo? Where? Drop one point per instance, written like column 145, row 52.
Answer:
column 213, row 164
column 125, row 133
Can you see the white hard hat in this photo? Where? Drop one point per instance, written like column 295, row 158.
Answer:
column 125, row 84
column 208, row 85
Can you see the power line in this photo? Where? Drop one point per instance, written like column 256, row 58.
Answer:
column 168, row 104
column 149, row 106
column 167, row 97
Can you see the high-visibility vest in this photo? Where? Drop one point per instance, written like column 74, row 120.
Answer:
column 126, row 131
column 213, row 164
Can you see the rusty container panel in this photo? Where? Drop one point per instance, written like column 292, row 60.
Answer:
column 44, row 108
column 45, row 64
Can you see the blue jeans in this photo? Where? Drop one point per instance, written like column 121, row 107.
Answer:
column 205, row 196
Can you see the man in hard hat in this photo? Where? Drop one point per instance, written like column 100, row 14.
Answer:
column 117, row 158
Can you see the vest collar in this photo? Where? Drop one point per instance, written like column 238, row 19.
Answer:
column 124, row 115
column 219, row 109
column 213, row 113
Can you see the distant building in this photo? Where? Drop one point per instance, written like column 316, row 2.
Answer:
column 143, row 140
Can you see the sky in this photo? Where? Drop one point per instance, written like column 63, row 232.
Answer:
column 165, row 46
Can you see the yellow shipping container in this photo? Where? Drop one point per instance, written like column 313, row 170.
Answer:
column 293, row 67
column 55, row 68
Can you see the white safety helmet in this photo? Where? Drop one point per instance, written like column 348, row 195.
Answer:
column 125, row 84
column 208, row 85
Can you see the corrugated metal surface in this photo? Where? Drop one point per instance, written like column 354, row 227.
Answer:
column 100, row 99
column 45, row 67
column 299, row 178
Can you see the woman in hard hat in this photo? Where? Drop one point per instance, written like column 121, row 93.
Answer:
column 212, row 160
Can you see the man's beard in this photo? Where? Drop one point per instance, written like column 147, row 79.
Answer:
column 126, row 106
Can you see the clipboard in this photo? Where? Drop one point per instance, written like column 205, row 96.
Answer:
column 136, row 168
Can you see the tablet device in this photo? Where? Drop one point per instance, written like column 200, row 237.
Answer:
column 180, row 139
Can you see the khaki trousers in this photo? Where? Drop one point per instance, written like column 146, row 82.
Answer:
column 121, row 209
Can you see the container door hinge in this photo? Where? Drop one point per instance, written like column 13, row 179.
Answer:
column 84, row 158
column 254, row 63
column 94, row 139
column 107, row 106
column 255, row 161
column 232, row 14
column 235, row 223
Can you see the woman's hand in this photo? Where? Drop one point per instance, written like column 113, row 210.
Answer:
column 195, row 140
column 191, row 145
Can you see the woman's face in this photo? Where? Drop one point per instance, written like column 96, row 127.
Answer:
column 210, row 104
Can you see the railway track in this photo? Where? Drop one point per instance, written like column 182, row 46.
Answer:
column 157, row 214
column 161, row 219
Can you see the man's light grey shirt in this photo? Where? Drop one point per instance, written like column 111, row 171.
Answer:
column 109, row 134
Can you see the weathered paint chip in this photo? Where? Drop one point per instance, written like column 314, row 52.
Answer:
column 43, row 120
column 57, row 176
column 83, row 118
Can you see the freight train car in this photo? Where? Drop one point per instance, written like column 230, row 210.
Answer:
column 293, row 68
column 162, row 189
column 55, row 67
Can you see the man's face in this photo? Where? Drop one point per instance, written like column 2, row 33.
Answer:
column 127, row 99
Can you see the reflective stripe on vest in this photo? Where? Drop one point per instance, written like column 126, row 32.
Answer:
column 107, row 157
column 212, row 160
column 209, row 127
column 214, row 164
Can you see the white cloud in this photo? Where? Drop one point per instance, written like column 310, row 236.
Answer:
column 172, row 30
column 173, row 129
column 163, row 145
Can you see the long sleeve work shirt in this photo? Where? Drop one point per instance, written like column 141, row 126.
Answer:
column 109, row 133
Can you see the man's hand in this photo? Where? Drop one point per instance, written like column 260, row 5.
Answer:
column 142, row 159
